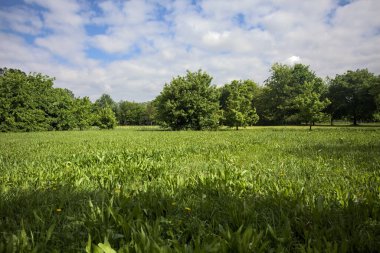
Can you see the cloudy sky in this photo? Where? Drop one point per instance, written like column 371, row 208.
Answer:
column 130, row 49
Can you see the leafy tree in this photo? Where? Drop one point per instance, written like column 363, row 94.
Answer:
column 150, row 113
column 310, row 105
column 237, row 103
column 82, row 113
column 22, row 101
column 284, row 84
column 105, row 118
column 61, row 110
column 105, row 100
column 189, row 102
column 352, row 95
column 131, row 113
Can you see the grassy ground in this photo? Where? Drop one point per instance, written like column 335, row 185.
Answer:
column 143, row 190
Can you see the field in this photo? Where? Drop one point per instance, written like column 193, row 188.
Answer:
column 279, row 189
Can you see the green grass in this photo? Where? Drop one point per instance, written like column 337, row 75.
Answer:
column 260, row 189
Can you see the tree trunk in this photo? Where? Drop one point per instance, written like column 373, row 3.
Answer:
column 310, row 125
column 237, row 128
column 355, row 121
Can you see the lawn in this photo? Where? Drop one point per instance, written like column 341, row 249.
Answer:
column 139, row 189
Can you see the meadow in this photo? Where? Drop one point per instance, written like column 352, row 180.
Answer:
column 136, row 189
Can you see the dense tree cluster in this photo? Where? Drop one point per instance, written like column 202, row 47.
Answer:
column 291, row 95
column 28, row 102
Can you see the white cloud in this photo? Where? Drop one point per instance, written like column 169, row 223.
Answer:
column 21, row 19
column 293, row 60
column 146, row 43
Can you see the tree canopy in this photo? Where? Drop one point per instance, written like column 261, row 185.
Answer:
column 354, row 95
column 281, row 88
column 189, row 102
column 291, row 94
column 236, row 101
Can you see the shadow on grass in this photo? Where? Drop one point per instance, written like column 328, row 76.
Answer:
column 209, row 215
column 32, row 213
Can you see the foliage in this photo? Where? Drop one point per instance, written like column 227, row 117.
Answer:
column 105, row 118
column 309, row 105
column 21, row 108
column 83, row 113
column 104, row 101
column 278, row 189
column 28, row 102
column 189, row 102
column 284, row 84
column 353, row 95
column 131, row 113
column 237, row 103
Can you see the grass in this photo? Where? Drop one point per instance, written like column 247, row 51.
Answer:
column 262, row 189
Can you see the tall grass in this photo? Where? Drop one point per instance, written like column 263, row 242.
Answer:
column 143, row 190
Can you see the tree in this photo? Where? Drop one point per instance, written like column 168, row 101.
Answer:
column 284, row 84
column 23, row 101
column 82, row 113
column 105, row 118
column 150, row 113
column 105, row 100
column 237, row 104
column 61, row 109
column 189, row 102
column 352, row 96
column 131, row 113
column 310, row 105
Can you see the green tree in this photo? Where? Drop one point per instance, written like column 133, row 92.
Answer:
column 82, row 113
column 23, row 101
column 105, row 118
column 237, row 103
column 150, row 113
column 189, row 102
column 105, row 100
column 310, row 105
column 352, row 96
column 284, row 84
column 61, row 109
column 131, row 113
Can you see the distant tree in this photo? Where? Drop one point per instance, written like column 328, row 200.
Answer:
column 375, row 92
column 105, row 100
column 61, row 109
column 22, row 101
column 150, row 113
column 82, row 112
column 189, row 102
column 352, row 95
column 131, row 113
column 237, row 103
column 310, row 105
column 105, row 118
column 284, row 84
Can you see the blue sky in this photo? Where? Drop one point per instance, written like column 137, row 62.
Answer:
column 130, row 49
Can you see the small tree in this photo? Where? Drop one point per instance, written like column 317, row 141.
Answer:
column 189, row 102
column 82, row 112
column 106, row 118
column 236, row 102
column 309, row 104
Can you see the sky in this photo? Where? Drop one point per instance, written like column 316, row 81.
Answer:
column 130, row 49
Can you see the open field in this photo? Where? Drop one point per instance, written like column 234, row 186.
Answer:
column 144, row 190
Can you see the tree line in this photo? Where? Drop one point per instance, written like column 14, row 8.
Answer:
column 290, row 95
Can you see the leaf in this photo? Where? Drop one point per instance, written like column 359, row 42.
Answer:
column 106, row 247
column 88, row 246
column 50, row 232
